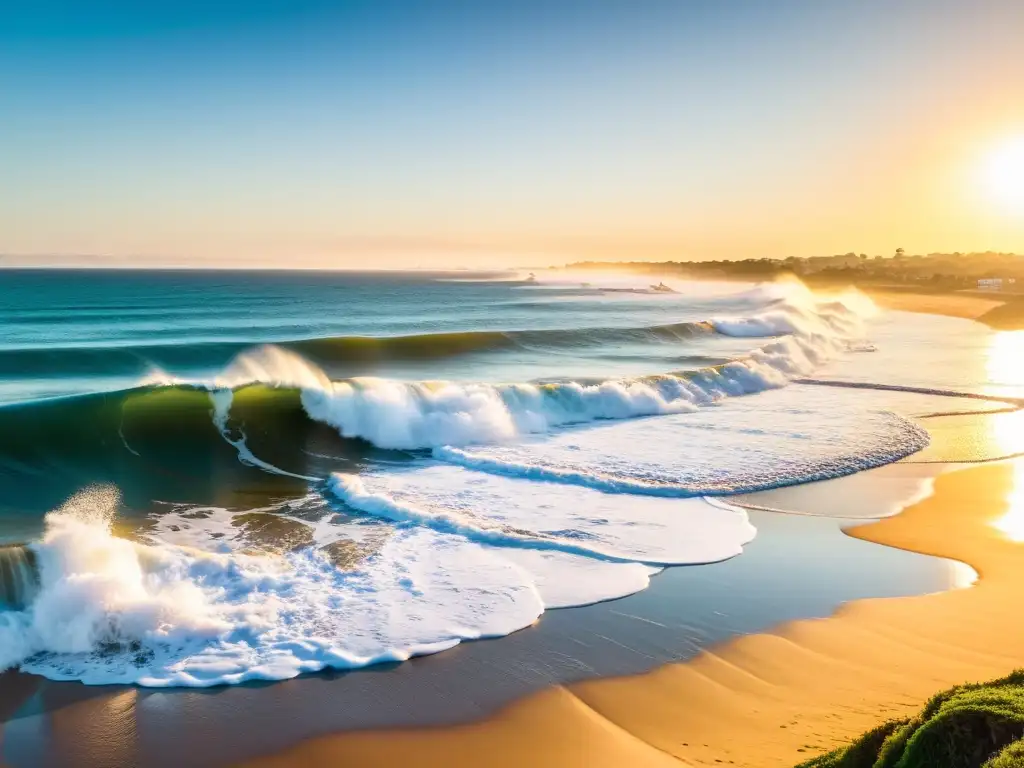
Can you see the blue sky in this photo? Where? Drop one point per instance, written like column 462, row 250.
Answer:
column 490, row 132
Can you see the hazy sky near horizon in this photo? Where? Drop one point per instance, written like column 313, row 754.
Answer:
column 478, row 133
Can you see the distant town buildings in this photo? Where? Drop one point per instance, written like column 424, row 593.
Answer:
column 994, row 283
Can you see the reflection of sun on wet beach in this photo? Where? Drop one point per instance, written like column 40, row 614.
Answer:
column 1012, row 523
column 1006, row 431
column 996, row 434
column 1005, row 364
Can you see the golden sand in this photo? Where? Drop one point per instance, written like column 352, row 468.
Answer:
column 953, row 304
column 769, row 699
column 779, row 698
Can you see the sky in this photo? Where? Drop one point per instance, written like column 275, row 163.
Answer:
column 407, row 133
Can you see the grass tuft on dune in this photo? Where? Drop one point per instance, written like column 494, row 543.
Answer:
column 969, row 726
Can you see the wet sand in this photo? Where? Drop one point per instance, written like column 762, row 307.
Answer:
column 768, row 699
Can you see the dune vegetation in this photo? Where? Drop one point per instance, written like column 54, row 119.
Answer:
column 970, row 726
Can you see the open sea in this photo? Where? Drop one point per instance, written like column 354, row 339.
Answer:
column 208, row 478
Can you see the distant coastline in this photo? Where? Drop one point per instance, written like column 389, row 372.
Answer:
column 947, row 271
column 907, row 283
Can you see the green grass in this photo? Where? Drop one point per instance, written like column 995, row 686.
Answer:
column 969, row 726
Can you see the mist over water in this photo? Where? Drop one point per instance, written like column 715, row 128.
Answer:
column 218, row 478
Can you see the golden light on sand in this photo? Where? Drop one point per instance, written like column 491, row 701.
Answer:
column 1004, row 175
column 1012, row 523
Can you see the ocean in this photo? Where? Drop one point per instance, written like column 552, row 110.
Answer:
column 208, row 478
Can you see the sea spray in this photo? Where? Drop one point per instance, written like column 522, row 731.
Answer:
column 270, row 364
column 98, row 592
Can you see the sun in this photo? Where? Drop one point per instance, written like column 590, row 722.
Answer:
column 1004, row 175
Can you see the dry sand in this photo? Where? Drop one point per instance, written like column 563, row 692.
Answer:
column 770, row 699
column 954, row 304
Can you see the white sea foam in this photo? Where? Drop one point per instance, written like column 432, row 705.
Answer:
column 777, row 439
column 109, row 610
column 542, row 516
column 396, row 414
column 351, row 490
column 114, row 611
column 565, row 581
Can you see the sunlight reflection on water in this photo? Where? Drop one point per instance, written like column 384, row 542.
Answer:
column 1005, row 368
column 1012, row 523
column 1005, row 363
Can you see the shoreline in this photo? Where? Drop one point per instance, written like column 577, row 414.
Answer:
column 770, row 699
column 759, row 700
column 799, row 566
column 434, row 697
column 996, row 309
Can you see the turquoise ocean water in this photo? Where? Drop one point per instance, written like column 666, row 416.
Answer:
column 214, row 477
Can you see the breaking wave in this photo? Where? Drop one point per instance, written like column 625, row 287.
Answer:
column 473, row 530
column 108, row 610
column 410, row 415
column 415, row 415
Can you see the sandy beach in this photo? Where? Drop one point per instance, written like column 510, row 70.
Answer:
column 769, row 699
column 954, row 304
column 777, row 698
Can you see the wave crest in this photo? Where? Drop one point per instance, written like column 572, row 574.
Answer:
column 411, row 415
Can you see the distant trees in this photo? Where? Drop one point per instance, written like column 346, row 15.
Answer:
column 949, row 271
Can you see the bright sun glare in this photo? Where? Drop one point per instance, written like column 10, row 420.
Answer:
column 1004, row 174
column 1012, row 523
